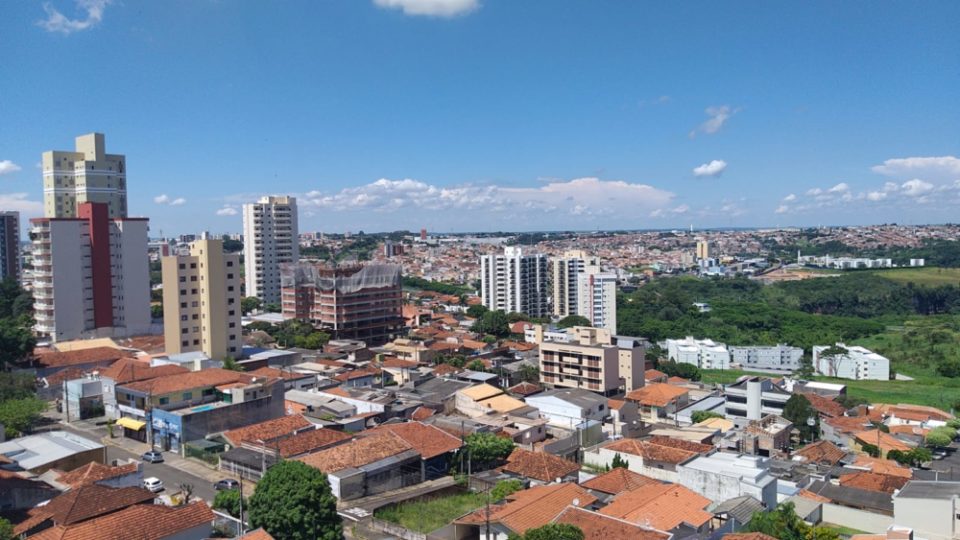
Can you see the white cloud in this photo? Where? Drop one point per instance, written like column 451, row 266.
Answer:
column 580, row 197
column 714, row 168
column 944, row 166
column 842, row 187
column 782, row 209
column 58, row 22
column 682, row 209
column 814, row 192
column 166, row 199
column 916, row 188
column 20, row 203
column 431, row 8
column 790, row 198
column 717, row 117
column 227, row 211
column 8, row 167
column 876, row 196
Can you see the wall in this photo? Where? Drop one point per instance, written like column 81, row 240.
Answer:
column 930, row 518
column 856, row 519
column 602, row 457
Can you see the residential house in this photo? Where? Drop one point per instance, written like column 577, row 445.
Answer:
column 540, row 467
column 60, row 450
column 659, row 400
column 523, row 510
column 80, row 505
column 656, row 457
column 128, row 474
column 720, row 476
column 767, row 437
column 436, row 447
column 871, row 481
column 822, row 452
column 665, row 507
column 399, row 371
column 877, row 438
column 616, row 481
column 292, row 380
column 257, row 449
column 20, row 493
column 485, row 399
column 128, row 370
column 929, row 508
column 569, row 407
column 597, row 526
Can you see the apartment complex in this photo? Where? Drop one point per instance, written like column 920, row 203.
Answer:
column 87, row 174
column 857, row 363
column 564, row 272
column 703, row 249
column 780, row 357
column 349, row 301
column 10, row 245
column 594, row 359
column 201, row 301
column 514, row 282
column 597, row 298
column 703, row 353
column 753, row 398
column 270, row 238
column 91, row 274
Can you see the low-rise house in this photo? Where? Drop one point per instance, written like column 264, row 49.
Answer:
column 20, row 493
column 359, row 378
column 253, row 456
column 81, row 505
column 841, row 430
column 929, row 508
column 597, row 526
column 874, row 502
column 881, row 466
column 128, row 370
column 822, row 452
column 767, row 437
column 540, row 467
column 128, row 474
column 438, row 393
column 523, row 510
column 877, row 438
column 484, row 399
column 268, row 431
column 734, row 514
column 399, row 371
column 825, row 406
column 569, row 407
column 436, row 447
column 659, row 400
column 616, row 481
column 665, row 507
column 657, row 457
column 721, row 476
column 909, row 415
column 192, row 521
column 871, row 481
column 292, row 380
column 752, row 398
column 50, row 361
column 61, row 450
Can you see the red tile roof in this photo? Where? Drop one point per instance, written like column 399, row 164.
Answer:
column 268, row 430
column 280, row 373
column 596, row 526
column 138, row 522
column 356, row 374
column 662, row 449
column 825, row 406
column 127, row 370
column 309, row 441
column 429, row 441
column 445, row 369
column 524, row 389
column 396, row 363
column 870, row 481
column 883, row 466
column 656, row 394
column 532, row 508
column 618, row 480
column 84, row 503
column 258, row 534
column 94, row 472
column 361, row 451
column 539, row 465
column 822, row 451
column 421, row 413
column 188, row 381
column 661, row 506
column 93, row 355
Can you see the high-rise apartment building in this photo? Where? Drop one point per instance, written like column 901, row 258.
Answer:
column 10, row 245
column 597, row 298
column 514, row 282
column 270, row 238
column 350, row 301
column 91, row 273
column 87, row 174
column 564, row 272
column 592, row 359
column 201, row 301
column 703, row 249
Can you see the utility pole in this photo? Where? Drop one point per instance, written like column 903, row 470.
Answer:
column 242, row 531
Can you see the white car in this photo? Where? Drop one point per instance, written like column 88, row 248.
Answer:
column 153, row 483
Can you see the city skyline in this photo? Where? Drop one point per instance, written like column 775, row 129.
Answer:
column 463, row 115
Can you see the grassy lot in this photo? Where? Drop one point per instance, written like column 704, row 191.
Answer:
column 430, row 514
column 841, row 530
column 923, row 276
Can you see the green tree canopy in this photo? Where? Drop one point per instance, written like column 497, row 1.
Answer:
column 293, row 501
column 940, row 437
column 554, row 531
column 476, row 311
column 619, row 462
column 494, row 323
column 476, row 365
column 700, row 416
column 783, row 523
column 504, row 489
column 6, row 530
column 19, row 415
column 799, row 410
column 228, row 501
column 487, row 448
column 249, row 303
column 573, row 320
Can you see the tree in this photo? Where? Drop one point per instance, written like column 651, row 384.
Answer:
column 554, row 531
column 573, row 320
column 799, row 410
column 919, row 456
column 19, row 415
column 293, row 501
column 487, row 449
column 940, row 437
column 514, row 317
column 476, row 365
column 700, row 416
column 187, row 491
column 476, row 311
column 16, row 339
column 871, row 450
column 249, row 303
column 228, row 501
column 16, row 386
column 784, row 523
column 231, row 363
column 272, row 308
column 504, row 489
column 6, row 530
column 619, row 462
column 156, row 311
column 529, row 373
column 676, row 369
column 806, row 371
column 493, row 323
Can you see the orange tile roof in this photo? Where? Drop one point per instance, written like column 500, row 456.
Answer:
column 93, row 355
column 654, row 374
column 873, row 482
column 268, row 430
column 396, row 363
column 532, row 508
column 661, row 506
column 848, row 424
column 188, row 381
column 429, row 441
column 822, row 451
column 618, row 480
column 148, row 522
column 615, row 404
column 279, row 373
column 596, row 526
column 94, row 472
column 127, row 370
column 887, row 442
column 825, row 406
column 356, row 374
column 358, row 452
column 748, row 536
column 309, row 441
column 656, row 395
column 807, row 494
column 663, row 449
column 524, row 389
column 678, row 380
column 883, row 466
column 84, row 503
column 421, row 413
column 445, row 369
column 539, row 465
column 258, row 534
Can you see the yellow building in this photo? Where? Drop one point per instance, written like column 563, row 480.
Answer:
column 201, row 301
column 592, row 359
column 703, row 249
column 88, row 174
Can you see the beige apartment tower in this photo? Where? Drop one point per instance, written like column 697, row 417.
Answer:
column 87, row 174
column 201, row 301
column 270, row 238
column 563, row 273
column 703, row 249
column 592, row 359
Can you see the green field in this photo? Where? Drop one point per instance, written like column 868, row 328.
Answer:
column 922, row 276
column 429, row 515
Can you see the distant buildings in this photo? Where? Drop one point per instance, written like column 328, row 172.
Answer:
column 91, row 275
column 779, row 357
column 270, row 235
column 703, row 249
column 849, row 263
column 514, row 282
column 857, row 363
column 10, row 245
column 593, row 359
column 703, row 353
column 349, row 301
column 201, row 299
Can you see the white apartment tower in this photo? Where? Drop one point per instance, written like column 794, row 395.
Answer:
column 514, row 282
column 564, row 272
column 270, row 238
column 91, row 273
column 597, row 298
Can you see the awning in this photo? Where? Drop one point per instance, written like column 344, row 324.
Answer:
column 131, row 423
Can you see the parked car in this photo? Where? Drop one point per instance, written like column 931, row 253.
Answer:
column 152, row 456
column 225, row 484
column 153, row 483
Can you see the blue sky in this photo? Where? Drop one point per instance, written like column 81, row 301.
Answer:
column 465, row 115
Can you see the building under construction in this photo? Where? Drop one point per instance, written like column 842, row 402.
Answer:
column 350, row 301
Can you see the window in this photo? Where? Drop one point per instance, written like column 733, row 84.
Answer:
column 196, row 342
column 193, row 278
column 184, row 343
column 183, row 292
column 183, row 330
column 231, row 313
column 229, row 276
column 184, row 305
column 183, row 279
column 194, row 304
column 229, row 263
column 193, row 291
column 233, row 325
column 182, row 266
column 164, row 400
column 193, row 265
column 183, row 317
column 187, row 396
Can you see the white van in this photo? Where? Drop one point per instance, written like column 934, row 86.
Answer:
column 153, row 483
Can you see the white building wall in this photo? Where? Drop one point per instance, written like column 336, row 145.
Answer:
column 270, row 238
column 71, row 274
column 131, row 277
column 597, row 298
column 858, row 364
column 934, row 519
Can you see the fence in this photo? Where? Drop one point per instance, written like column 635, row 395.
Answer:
column 393, row 529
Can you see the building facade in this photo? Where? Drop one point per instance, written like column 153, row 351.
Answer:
column 350, row 301
column 201, row 301
column 10, row 245
column 87, row 174
column 270, row 238
column 594, row 360
column 753, row 398
column 703, row 353
column 514, row 282
column 779, row 357
column 857, row 363
column 563, row 273
column 597, row 298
